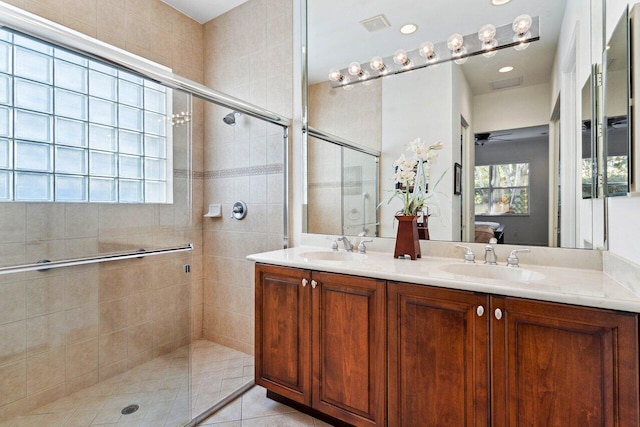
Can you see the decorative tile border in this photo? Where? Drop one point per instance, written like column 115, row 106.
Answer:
column 246, row 171
column 186, row 173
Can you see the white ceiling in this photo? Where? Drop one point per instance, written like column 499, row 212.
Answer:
column 336, row 36
column 203, row 10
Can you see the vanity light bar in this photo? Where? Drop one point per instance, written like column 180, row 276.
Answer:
column 428, row 53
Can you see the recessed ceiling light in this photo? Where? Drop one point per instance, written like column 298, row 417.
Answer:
column 408, row 29
column 499, row 2
column 505, row 69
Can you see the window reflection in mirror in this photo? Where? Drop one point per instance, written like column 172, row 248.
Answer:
column 512, row 184
column 616, row 120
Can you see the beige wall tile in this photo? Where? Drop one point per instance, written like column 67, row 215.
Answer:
column 140, row 308
column 139, row 358
column 81, row 10
column 82, row 358
column 44, row 397
column 81, row 289
column 110, row 17
column 80, row 382
column 109, row 371
column 13, row 382
column 82, row 323
column 13, row 342
column 113, row 348
column 45, row 333
column 45, row 221
column 13, row 222
column 46, row 370
column 113, row 315
column 81, row 220
column 12, row 302
column 45, row 295
column 140, row 338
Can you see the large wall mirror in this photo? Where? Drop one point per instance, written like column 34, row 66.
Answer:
column 517, row 121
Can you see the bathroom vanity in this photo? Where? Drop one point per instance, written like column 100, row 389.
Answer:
column 369, row 340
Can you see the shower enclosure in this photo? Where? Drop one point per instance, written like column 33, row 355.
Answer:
column 343, row 187
column 115, row 295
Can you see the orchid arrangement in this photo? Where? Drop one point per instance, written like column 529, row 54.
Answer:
column 412, row 175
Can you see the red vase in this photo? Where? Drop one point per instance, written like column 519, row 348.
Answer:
column 407, row 240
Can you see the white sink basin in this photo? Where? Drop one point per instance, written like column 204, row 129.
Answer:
column 332, row 256
column 497, row 272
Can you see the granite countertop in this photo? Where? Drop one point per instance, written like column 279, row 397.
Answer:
column 591, row 288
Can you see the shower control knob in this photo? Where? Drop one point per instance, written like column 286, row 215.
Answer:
column 239, row 210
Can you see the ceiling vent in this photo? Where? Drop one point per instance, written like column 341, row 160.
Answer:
column 376, row 23
column 503, row 84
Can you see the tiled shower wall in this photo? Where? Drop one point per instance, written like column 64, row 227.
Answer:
column 353, row 115
column 249, row 55
column 66, row 329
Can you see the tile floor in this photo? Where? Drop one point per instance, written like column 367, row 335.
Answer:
column 253, row 409
column 160, row 388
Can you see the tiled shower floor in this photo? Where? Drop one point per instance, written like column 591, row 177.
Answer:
column 159, row 387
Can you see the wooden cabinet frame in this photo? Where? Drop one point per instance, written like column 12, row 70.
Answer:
column 364, row 351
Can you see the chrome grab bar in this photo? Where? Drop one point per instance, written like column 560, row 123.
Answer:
column 140, row 253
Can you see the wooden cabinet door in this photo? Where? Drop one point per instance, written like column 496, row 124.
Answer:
column 559, row 365
column 438, row 357
column 283, row 333
column 348, row 356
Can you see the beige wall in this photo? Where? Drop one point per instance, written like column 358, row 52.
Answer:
column 66, row 329
column 248, row 55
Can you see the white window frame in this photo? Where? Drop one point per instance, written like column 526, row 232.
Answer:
column 491, row 188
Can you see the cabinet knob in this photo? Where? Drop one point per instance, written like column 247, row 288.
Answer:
column 480, row 311
column 304, row 282
column 314, row 284
column 498, row 314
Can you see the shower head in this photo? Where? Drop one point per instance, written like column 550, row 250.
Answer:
column 230, row 118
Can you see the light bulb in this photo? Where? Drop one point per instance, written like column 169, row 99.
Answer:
column 355, row 69
column 335, row 75
column 455, row 42
column 487, row 33
column 365, row 76
column 401, row 58
column 520, row 39
column 458, row 55
column 377, row 64
column 521, row 24
column 428, row 50
column 490, row 48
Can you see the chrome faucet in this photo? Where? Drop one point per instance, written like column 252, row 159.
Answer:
column 362, row 249
column 348, row 246
column 469, row 256
column 489, row 254
column 513, row 260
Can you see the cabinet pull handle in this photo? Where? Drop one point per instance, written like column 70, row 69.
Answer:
column 314, row 284
column 304, row 282
column 498, row 314
column 480, row 311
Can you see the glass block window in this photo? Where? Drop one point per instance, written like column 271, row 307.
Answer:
column 73, row 129
column 502, row 189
